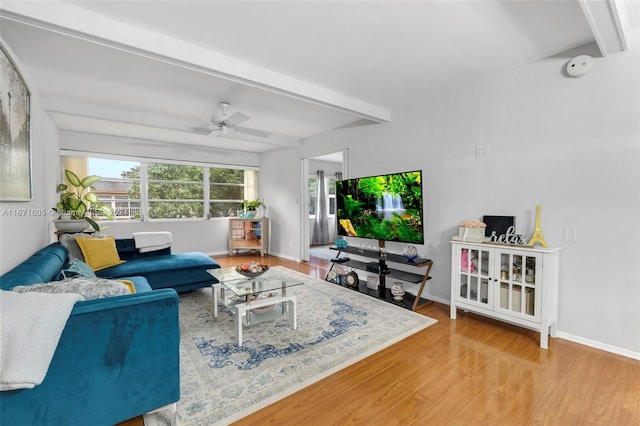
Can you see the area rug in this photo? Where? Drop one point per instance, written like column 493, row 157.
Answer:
column 221, row 382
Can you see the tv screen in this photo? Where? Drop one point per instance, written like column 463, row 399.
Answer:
column 385, row 207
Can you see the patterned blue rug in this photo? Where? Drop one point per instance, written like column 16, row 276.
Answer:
column 221, row 382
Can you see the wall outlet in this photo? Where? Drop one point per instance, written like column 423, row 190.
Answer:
column 482, row 151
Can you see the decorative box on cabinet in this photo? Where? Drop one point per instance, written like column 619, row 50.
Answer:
column 248, row 234
column 514, row 284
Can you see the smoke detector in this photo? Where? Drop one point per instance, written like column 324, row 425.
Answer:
column 579, row 66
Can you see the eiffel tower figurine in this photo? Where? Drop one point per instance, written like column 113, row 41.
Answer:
column 537, row 233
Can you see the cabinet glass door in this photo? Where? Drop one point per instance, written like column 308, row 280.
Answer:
column 237, row 230
column 474, row 276
column 518, row 278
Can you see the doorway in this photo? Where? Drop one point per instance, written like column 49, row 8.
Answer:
column 333, row 166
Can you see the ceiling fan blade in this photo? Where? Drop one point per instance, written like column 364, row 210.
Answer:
column 201, row 130
column 252, row 132
column 237, row 118
column 207, row 131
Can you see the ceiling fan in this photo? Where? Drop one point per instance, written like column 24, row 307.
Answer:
column 225, row 125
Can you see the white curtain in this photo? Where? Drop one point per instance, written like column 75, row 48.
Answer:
column 321, row 224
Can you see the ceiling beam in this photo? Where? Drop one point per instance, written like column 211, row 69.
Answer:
column 606, row 20
column 114, row 113
column 67, row 19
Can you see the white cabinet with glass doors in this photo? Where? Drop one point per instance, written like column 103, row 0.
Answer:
column 514, row 284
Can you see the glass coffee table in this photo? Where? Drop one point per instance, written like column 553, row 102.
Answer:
column 253, row 299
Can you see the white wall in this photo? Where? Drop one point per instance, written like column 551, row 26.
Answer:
column 280, row 182
column 570, row 145
column 21, row 235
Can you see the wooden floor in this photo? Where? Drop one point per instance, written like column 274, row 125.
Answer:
column 469, row 371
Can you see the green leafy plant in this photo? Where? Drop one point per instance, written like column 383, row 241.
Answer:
column 77, row 200
column 252, row 205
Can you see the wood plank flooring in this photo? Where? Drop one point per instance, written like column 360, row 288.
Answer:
column 469, row 371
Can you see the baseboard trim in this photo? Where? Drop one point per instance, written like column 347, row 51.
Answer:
column 284, row 256
column 217, row 253
column 429, row 297
column 226, row 253
column 599, row 345
column 577, row 339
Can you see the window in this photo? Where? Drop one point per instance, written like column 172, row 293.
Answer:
column 175, row 191
column 123, row 193
column 331, row 196
column 155, row 190
column 313, row 194
column 330, row 188
column 227, row 190
column 119, row 187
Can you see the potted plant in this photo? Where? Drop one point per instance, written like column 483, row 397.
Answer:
column 251, row 207
column 77, row 204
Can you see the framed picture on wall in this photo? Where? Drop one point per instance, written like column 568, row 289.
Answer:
column 15, row 132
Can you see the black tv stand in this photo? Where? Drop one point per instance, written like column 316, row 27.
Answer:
column 381, row 268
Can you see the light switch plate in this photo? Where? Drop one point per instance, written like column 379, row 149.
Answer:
column 570, row 234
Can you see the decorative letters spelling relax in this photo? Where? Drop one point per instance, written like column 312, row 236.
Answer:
column 509, row 238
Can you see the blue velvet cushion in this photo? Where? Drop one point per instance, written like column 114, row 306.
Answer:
column 42, row 267
column 79, row 269
column 175, row 271
column 140, row 283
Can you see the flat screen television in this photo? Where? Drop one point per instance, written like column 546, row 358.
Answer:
column 384, row 207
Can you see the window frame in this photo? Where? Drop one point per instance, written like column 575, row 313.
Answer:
column 144, row 183
column 201, row 200
column 329, row 196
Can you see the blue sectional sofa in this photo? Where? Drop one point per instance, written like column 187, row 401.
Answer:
column 180, row 271
column 118, row 357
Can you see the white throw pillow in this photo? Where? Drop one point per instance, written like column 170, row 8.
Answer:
column 69, row 242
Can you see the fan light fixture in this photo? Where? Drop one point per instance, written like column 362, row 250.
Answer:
column 224, row 106
column 223, row 124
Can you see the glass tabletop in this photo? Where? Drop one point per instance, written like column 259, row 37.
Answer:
column 241, row 285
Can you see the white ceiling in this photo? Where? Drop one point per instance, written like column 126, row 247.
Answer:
column 154, row 70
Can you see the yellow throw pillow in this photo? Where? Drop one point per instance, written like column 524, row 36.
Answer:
column 130, row 286
column 99, row 253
